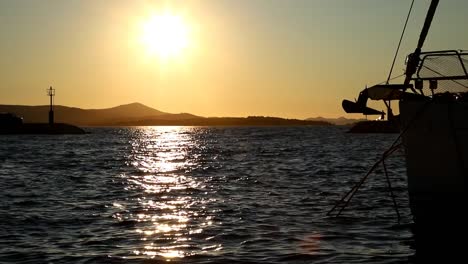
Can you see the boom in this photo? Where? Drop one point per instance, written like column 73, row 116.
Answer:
column 387, row 91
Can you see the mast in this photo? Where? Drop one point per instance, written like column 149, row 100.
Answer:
column 413, row 59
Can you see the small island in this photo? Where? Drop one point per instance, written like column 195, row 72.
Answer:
column 39, row 128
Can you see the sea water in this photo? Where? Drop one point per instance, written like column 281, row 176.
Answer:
column 200, row 195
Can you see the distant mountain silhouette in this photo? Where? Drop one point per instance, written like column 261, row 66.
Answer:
column 131, row 110
column 78, row 116
column 137, row 114
column 223, row 121
column 340, row 121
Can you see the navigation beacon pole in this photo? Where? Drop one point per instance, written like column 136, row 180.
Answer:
column 51, row 94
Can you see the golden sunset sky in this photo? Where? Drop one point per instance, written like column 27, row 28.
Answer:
column 294, row 59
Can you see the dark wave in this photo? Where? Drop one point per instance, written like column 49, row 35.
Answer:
column 200, row 195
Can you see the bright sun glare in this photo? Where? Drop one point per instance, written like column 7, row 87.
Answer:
column 165, row 35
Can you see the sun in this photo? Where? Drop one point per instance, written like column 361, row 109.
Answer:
column 165, row 35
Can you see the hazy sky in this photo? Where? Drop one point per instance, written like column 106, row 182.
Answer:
column 243, row 57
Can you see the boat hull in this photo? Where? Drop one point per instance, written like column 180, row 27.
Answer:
column 435, row 137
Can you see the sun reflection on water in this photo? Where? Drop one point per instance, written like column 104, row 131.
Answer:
column 171, row 210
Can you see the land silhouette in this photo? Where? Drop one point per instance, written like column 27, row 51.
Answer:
column 137, row 114
column 340, row 121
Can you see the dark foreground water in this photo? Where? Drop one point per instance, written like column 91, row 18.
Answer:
column 199, row 195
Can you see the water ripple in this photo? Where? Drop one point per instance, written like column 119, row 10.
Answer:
column 199, row 195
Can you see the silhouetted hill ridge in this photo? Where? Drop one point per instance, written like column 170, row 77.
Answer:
column 340, row 121
column 137, row 114
column 224, row 121
column 78, row 116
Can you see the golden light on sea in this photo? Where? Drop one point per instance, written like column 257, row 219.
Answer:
column 171, row 212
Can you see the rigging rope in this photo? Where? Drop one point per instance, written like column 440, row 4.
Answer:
column 399, row 43
column 345, row 200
